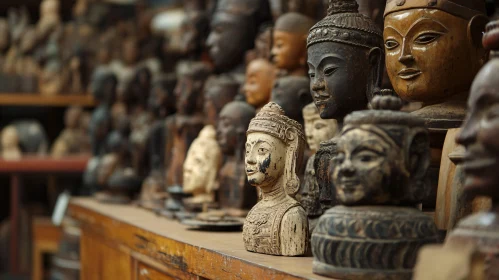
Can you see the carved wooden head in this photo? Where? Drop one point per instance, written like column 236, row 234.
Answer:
column 232, row 124
column 258, row 84
column 382, row 157
column 292, row 93
column 345, row 59
column 426, row 40
column 218, row 91
column 317, row 130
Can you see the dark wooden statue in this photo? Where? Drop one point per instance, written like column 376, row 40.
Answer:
column 378, row 172
column 235, row 21
column 292, row 93
column 219, row 91
column 345, row 59
column 189, row 119
column 289, row 51
column 235, row 194
column 479, row 135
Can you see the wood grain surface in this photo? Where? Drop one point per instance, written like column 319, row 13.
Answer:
column 174, row 249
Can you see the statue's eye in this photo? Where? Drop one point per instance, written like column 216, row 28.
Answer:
column 366, row 156
column 319, row 126
column 262, row 151
column 391, row 44
column 329, row 71
column 311, row 75
column 493, row 113
column 427, row 38
column 339, row 158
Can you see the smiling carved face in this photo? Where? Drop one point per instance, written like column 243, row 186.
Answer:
column 265, row 159
column 429, row 54
column 363, row 168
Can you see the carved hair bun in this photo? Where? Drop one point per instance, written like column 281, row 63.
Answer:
column 491, row 37
column 386, row 101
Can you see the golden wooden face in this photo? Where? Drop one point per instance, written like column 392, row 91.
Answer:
column 318, row 130
column 259, row 81
column 289, row 50
column 429, row 54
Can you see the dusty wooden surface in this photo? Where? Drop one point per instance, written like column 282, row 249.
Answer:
column 169, row 246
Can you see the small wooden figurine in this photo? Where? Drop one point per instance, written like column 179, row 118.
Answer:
column 278, row 224
column 259, row 81
column 378, row 172
column 73, row 139
column 10, row 144
column 219, row 90
column 289, row 51
column 201, row 167
column 317, row 130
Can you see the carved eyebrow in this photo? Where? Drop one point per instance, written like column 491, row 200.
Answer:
column 368, row 147
column 423, row 20
column 394, row 29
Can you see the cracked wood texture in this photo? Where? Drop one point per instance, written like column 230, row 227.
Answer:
column 131, row 243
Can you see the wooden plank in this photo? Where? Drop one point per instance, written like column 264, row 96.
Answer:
column 20, row 99
column 213, row 255
column 71, row 164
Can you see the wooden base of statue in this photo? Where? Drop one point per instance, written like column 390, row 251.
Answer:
column 482, row 231
column 376, row 242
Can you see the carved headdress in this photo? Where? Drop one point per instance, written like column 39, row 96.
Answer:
column 466, row 9
column 402, row 130
column 272, row 120
column 344, row 24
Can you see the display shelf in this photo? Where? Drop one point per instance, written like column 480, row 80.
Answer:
column 125, row 241
column 22, row 99
column 45, row 164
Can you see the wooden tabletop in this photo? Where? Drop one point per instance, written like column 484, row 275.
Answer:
column 208, row 254
column 23, row 99
column 46, row 164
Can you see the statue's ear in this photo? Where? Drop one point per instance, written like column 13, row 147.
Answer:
column 476, row 28
column 376, row 61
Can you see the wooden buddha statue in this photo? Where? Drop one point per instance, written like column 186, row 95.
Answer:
column 259, row 81
column 289, row 51
column 189, row 119
column 433, row 52
column 201, row 167
column 219, row 91
column 292, row 94
column 236, row 196
column 278, row 224
column 479, row 136
column 234, row 27
column 381, row 162
column 317, row 130
column 345, row 59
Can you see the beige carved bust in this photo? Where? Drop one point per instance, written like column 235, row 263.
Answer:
column 316, row 128
column 10, row 144
column 201, row 166
column 278, row 224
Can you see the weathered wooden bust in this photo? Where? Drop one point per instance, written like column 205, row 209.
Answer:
column 317, row 130
column 201, row 168
column 479, row 136
column 278, row 224
column 73, row 139
column 378, row 173
column 235, row 193
column 292, row 94
column 10, row 144
column 433, row 52
column 218, row 91
column 235, row 21
column 195, row 29
column 345, row 59
column 189, row 119
column 289, row 51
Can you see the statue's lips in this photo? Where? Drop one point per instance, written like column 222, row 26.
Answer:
column 250, row 172
column 349, row 184
column 409, row 73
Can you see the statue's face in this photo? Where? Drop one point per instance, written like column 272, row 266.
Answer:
column 289, row 50
column 265, row 159
column 197, row 167
column 480, row 134
column 258, row 85
column 429, row 54
column 228, row 40
column 227, row 132
column 363, row 168
column 338, row 78
column 318, row 130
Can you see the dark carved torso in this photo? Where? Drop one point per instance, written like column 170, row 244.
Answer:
column 235, row 191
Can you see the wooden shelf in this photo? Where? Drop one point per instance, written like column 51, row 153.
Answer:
column 73, row 164
column 118, row 238
column 22, row 99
